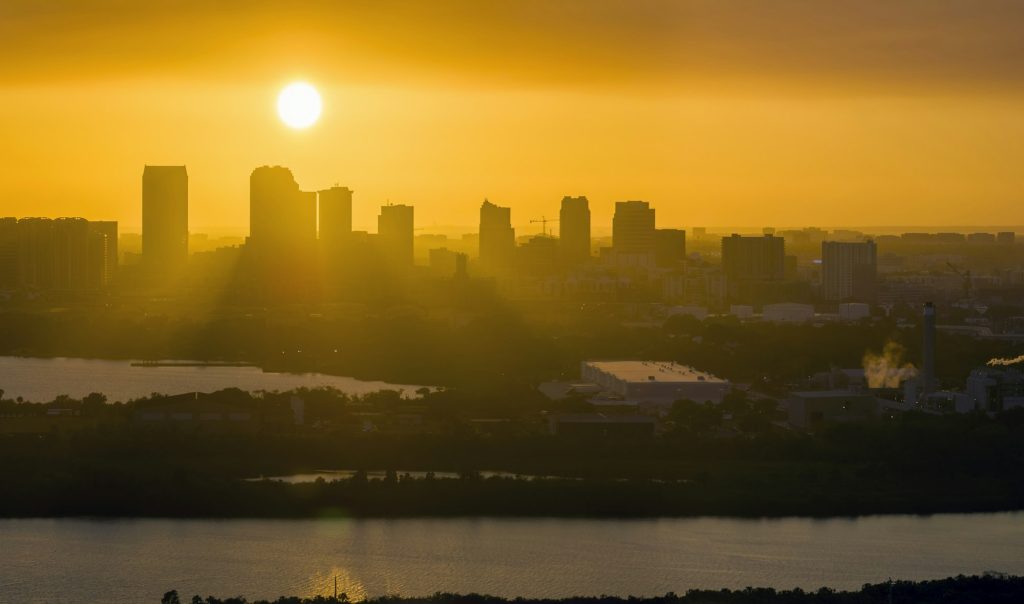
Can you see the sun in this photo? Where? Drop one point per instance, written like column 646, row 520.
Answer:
column 299, row 105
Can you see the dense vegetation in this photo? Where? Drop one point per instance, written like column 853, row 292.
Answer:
column 913, row 463
column 490, row 349
column 991, row 589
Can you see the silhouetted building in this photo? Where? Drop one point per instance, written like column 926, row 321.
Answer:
column 65, row 254
column 848, row 270
column 395, row 234
column 1006, row 237
column 755, row 258
column 633, row 233
column 670, row 247
column 104, row 234
column 164, row 220
column 539, row 255
column 497, row 237
column 574, row 230
column 335, row 218
column 755, row 270
column 447, row 264
column 282, row 232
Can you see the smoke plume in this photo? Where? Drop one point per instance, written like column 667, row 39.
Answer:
column 1005, row 362
column 887, row 370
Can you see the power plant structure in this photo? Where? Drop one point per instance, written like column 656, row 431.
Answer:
column 928, row 383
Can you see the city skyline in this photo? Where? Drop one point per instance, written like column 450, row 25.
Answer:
column 368, row 217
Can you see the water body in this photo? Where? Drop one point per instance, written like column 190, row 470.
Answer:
column 77, row 560
column 41, row 380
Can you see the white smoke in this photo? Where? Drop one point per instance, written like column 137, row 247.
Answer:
column 1005, row 362
column 887, row 370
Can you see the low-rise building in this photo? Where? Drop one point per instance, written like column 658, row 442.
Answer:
column 653, row 381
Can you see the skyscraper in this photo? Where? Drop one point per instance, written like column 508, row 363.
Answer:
column 164, row 220
column 282, row 233
column 848, row 270
column 282, row 219
column 633, row 233
column 497, row 237
column 574, row 230
column 107, row 230
column 669, row 247
column 753, row 258
column 335, row 218
column 395, row 234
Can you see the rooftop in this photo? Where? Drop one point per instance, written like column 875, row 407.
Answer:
column 654, row 371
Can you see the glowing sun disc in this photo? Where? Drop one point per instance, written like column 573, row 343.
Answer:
column 299, row 105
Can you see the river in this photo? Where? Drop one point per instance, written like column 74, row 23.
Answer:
column 41, row 380
column 81, row 560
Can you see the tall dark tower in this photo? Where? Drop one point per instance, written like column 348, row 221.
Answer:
column 335, row 218
column 574, row 230
column 395, row 234
column 497, row 237
column 928, row 383
column 282, row 233
column 164, row 220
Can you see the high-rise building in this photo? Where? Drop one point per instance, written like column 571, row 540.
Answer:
column 105, row 234
column 848, row 270
column 1006, row 237
column 497, row 237
column 43, row 254
column 574, row 230
column 282, row 219
column 335, row 218
column 395, row 234
column 669, row 247
column 164, row 219
column 282, row 233
column 753, row 258
column 633, row 233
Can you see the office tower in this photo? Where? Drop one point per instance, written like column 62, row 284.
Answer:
column 282, row 234
column 1006, row 237
column 282, row 219
column 633, row 227
column 107, row 231
column 497, row 237
column 848, row 270
column 395, row 234
column 37, row 254
column 448, row 264
column 164, row 220
column 335, row 218
column 40, row 254
column 753, row 258
column 669, row 247
column 539, row 255
column 574, row 230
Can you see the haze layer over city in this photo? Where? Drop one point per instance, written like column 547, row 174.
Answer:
column 634, row 302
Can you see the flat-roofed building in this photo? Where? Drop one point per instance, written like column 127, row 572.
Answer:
column 655, row 381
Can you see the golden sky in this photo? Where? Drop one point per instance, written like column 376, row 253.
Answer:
column 718, row 112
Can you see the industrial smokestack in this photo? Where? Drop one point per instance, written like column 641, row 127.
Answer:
column 928, row 350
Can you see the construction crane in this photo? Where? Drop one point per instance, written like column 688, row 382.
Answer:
column 966, row 276
column 544, row 220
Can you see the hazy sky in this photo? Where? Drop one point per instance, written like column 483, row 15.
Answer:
column 718, row 112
